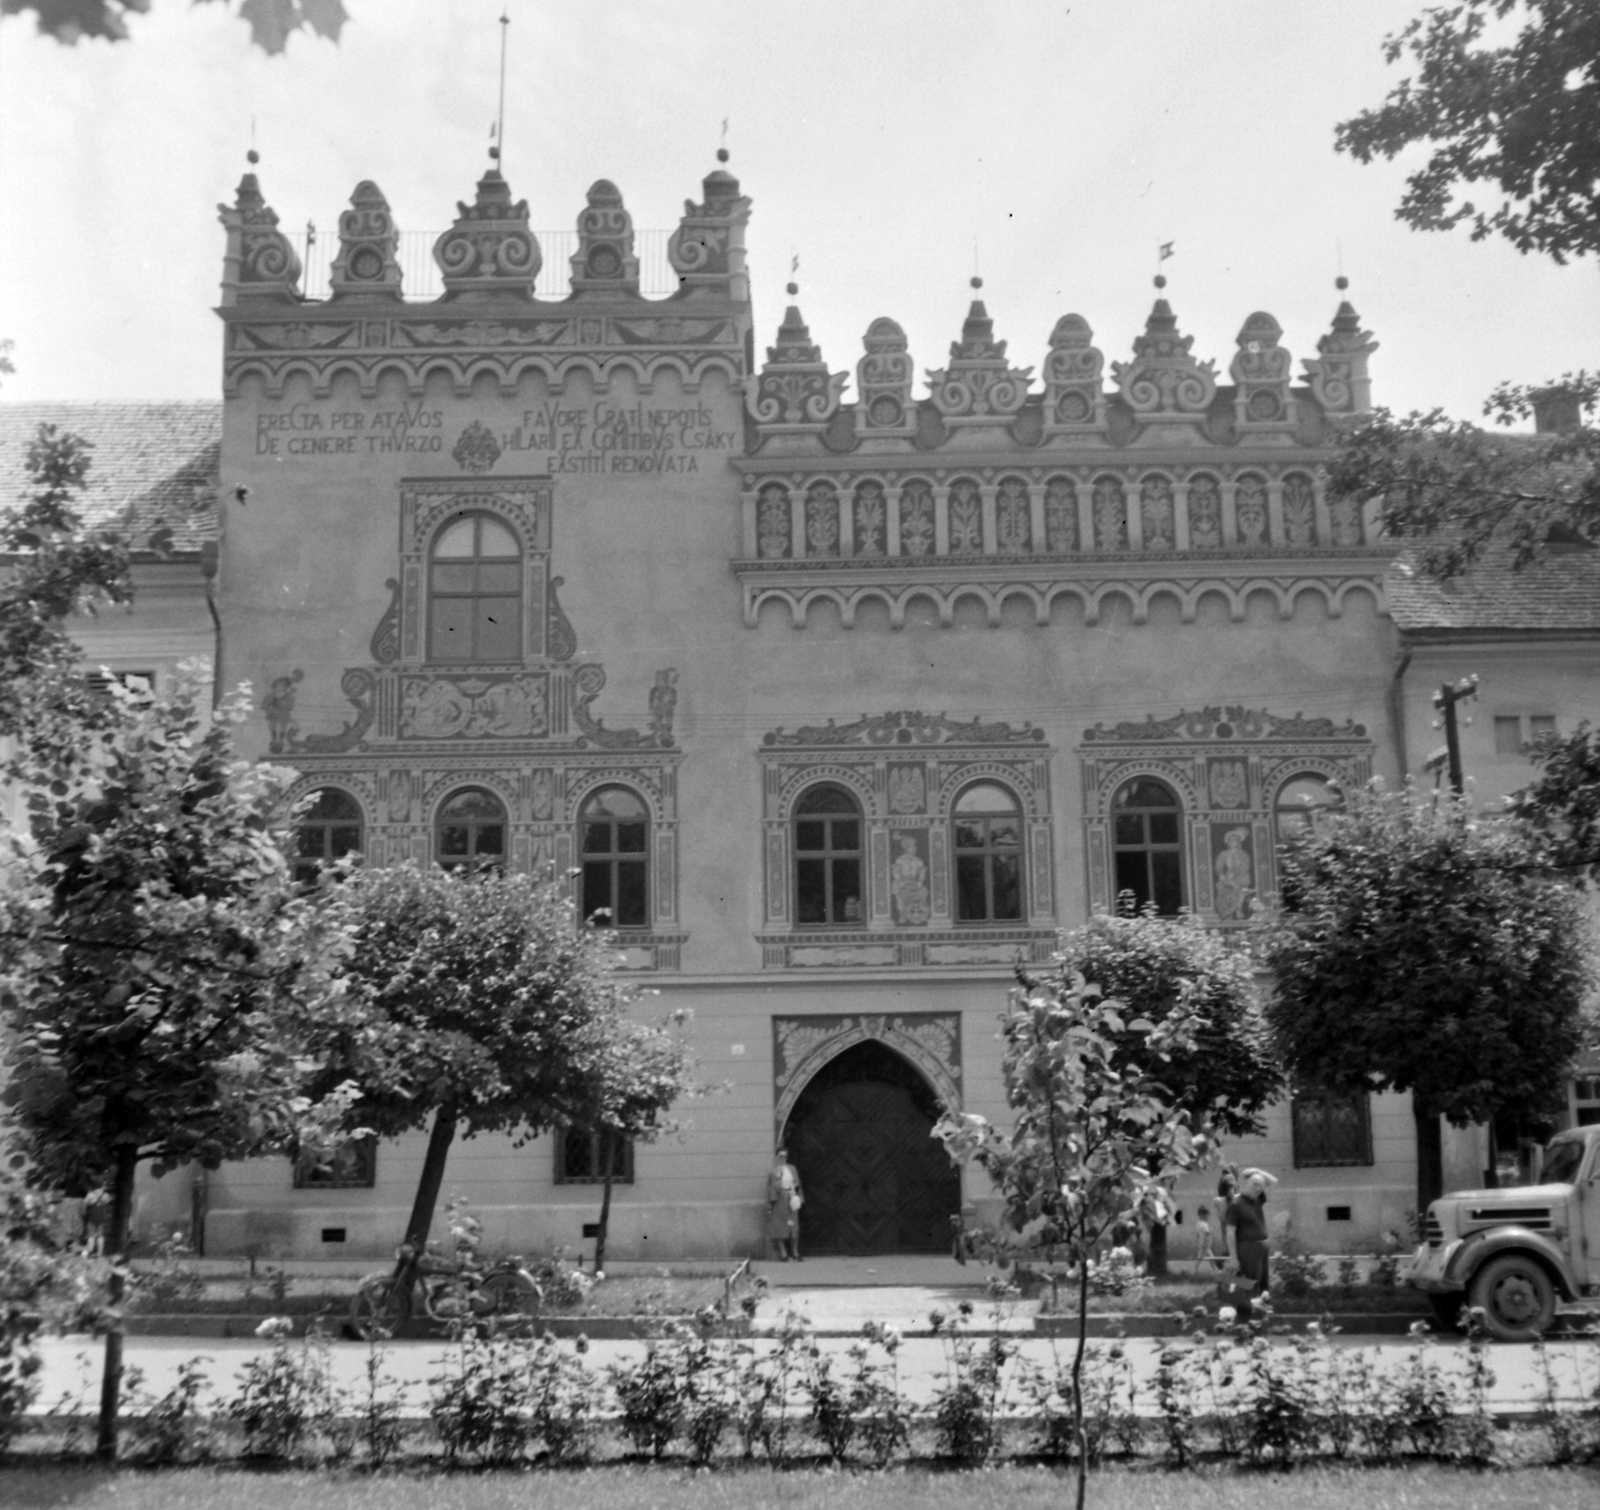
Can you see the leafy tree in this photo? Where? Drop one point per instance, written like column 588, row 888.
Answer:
column 1523, row 117
column 1423, row 949
column 152, row 947
column 271, row 22
column 1561, row 808
column 1096, row 1137
column 1227, row 1072
column 485, row 1006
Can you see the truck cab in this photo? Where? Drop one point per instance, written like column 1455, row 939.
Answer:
column 1518, row 1253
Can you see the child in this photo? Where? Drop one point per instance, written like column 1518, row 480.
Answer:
column 1203, row 1253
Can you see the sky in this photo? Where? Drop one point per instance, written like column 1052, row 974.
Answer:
column 895, row 146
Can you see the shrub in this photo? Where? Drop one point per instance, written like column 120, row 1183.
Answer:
column 172, row 1429
column 1297, row 1274
column 481, row 1407
column 285, row 1398
column 564, row 1399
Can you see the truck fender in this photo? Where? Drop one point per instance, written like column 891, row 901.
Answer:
column 1478, row 1249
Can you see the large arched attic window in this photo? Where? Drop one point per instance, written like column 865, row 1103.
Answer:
column 470, row 831
column 1147, row 840
column 475, row 592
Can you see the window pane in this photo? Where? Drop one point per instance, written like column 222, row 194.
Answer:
column 1541, row 723
column 491, row 840
column 826, row 799
column 457, row 540
column 495, row 539
column 617, row 802
column 972, row 903
column 969, row 835
column 456, row 579
column 1007, row 887
column 506, row 577
column 1145, row 792
column 311, row 840
column 344, row 841
column 811, row 892
column 986, row 797
column 1004, row 833
column 1130, row 828
column 846, row 891
column 1507, row 735
column 474, row 802
column 1166, row 873
column 597, row 838
column 1163, row 828
column 499, row 629
column 846, row 834
column 810, row 836
column 631, row 894
column 332, row 803
column 596, row 887
column 1133, row 874
column 631, row 838
column 450, row 629
column 453, row 840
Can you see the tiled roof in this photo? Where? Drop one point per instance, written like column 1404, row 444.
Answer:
column 151, row 464
column 1557, row 592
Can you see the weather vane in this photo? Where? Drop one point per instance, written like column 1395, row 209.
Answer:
column 499, row 132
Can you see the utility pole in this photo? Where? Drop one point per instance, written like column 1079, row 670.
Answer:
column 1444, row 703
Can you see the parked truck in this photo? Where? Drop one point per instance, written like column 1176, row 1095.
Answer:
column 1519, row 1253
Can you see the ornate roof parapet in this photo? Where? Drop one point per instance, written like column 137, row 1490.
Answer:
column 1163, row 381
column 1261, row 369
column 367, row 266
column 884, row 410
column 604, row 262
column 794, row 393
column 489, row 251
column 259, row 262
column 1339, row 376
column 1074, row 403
column 707, row 249
column 979, row 388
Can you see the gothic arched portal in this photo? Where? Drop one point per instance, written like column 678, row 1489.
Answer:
column 875, row 1178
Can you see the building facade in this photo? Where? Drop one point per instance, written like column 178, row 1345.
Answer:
column 841, row 706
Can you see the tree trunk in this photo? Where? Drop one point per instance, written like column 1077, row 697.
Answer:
column 105, row 1448
column 601, row 1227
column 1077, row 1376
column 1430, row 1157
column 422, row 1209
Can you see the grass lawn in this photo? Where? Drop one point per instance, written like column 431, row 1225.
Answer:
column 1426, row 1487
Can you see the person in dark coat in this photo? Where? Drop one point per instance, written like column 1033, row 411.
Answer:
column 784, row 1200
column 1244, row 1227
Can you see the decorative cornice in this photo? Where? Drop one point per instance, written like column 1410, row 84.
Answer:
column 1232, row 722
column 900, row 730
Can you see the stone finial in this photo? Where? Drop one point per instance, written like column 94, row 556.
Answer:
column 1338, row 376
column 883, row 380
column 979, row 387
column 795, row 394
column 259, row 262
column 367, row 265
column 707, row 249
column 604, row 262
column 1074, row 403
column 1163, row 379
column 1261, row 370
column 489, row 251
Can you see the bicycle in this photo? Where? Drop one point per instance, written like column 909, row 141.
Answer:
column 459, row 1292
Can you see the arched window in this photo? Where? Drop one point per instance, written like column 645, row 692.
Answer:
column 827, row 858
column 1149, row 849
column 614, row 839
column 988, row 842
column 470, row 831
column 475, row 592
column 329, row 829
column 1304, row 802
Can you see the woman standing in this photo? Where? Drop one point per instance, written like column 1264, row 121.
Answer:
column 784, row 1200
column 1244, row 1227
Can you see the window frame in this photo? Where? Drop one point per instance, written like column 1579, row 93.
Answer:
column 624, row 1156
column 477, row 562
column 614, row 858
column 313, row 865
column 1280, row 835
column 829, row 856
column 1147, row 847
column 987, row 854
column 471, row 861
column 1309, row 1101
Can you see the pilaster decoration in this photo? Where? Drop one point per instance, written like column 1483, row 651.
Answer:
column 1226, row 765
column 604, row 262
column 979, row 387
column 795, row 393
column 489, row 251
column 884, row 410
column 1338, row 376
column 385, row 646
column 1261, row 371
column 1073, row 401
column 367, row 266
column 802, row 1045
column 905, row 770
column 258, row 263
column 1163, row 381
column 707, row 249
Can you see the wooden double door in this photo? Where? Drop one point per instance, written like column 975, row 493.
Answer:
column 876, row 1180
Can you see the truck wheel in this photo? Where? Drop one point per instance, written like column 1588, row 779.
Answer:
column 1516, row 1296
column 1447, row 1310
